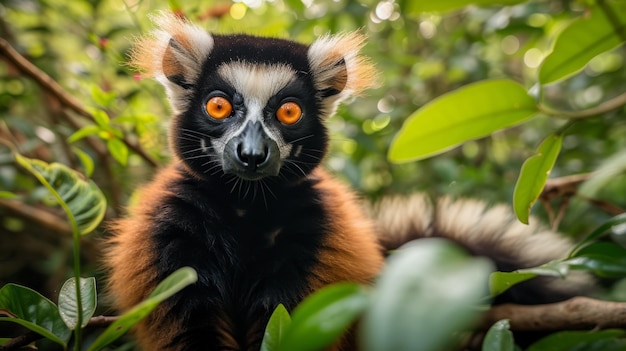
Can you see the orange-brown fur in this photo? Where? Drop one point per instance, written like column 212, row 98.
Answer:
column 349, row 253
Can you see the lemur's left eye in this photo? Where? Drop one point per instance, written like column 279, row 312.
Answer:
column 289, row 113
column 219, row 107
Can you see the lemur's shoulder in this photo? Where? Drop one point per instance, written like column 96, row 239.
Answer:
column 351, row 251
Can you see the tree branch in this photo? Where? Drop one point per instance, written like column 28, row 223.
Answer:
column 578, row 313
column 51, row 86
column 37, row 215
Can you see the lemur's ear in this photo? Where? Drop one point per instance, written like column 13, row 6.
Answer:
column 337, row 68
column 173, row 54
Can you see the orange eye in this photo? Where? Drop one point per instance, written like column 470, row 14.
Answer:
column 289, row 113
column 219, row 107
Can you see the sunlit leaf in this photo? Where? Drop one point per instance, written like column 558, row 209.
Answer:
column 34, row 312
column 533, row 176
column 85, row 160
column 429, row 290
column 468, row 113
column 101, row 118
column 84, row 132
column 7, row 195
column 582, row 40
column 174, row 283
column 103, row 98
column 419, row 6
column 68, row 307
column 83, row 198
column 499, row 337
column 324, row 316
column 577, row 340
column 275, row 330
column 500, row 282
column 118, row 150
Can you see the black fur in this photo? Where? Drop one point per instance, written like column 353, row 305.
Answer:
column 249, row 257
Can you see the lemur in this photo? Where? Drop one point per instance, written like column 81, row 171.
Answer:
column 246, row 203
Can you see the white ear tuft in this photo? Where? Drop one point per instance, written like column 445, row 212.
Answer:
column 338, row 69
column 173, row 54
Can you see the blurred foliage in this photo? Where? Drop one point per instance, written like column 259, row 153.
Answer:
column 84, row 44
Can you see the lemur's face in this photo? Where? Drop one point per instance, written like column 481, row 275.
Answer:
column 254, row 114
column 246, row 106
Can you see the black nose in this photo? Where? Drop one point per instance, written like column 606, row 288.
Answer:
column 252, row 149
column 252, row 155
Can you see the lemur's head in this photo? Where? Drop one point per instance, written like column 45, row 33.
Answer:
column 248, row 106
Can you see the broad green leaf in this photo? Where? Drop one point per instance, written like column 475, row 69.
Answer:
column 599, row 232
column 429, row 290
column 276, row 328
column 419, row 6
column 81, row 198
column 85, row 160
column 500, row 282
column 33, row 311
column 575, row 340
column 324, row 316
column 174, row 283
column 468, row 113
column 84, row 132
column 602, row 266
column 68, row 308
column 533, row 176
column 499, row 337
column 582, row 40
column 118, row 150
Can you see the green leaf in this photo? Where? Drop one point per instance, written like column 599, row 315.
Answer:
column 84, row 132
column 468, row 113
column 81, row 199
column 428, row 291
column 604, row 259
column 499, row 337
column 419, row 6
column 533, row 176
column 582, row 40
column 68, row 308
column 599, row 232
column 85, row 160
column 500, row 282
column 575, row 340
column 118, row 150
column 174, row 283
column 7, row 195
column 276, row 328
column 324, row 316
column 33, row 311
column 101, row 118
column 102, row 98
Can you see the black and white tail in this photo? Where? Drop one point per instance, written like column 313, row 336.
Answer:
column 493, row 232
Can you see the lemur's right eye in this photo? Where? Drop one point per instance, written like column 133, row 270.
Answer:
column 219, row 107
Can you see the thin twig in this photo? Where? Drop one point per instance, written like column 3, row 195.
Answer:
column 606, row 106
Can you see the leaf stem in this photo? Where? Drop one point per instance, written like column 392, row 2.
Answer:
column 76, row 251
column 607, row 106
